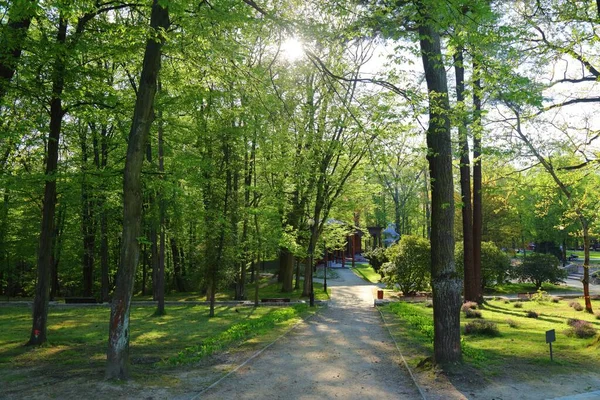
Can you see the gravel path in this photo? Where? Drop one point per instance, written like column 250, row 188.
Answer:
column 343, row 352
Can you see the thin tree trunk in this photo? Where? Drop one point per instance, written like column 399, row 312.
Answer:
column 117, row 366
column 160, row 284
column 470, row 284
column 444, row 280
column 42, row 289
column 477, row 187
column 87, row 219
column 177, row 266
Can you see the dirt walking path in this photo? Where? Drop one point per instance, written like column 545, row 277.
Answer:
column 343, row 352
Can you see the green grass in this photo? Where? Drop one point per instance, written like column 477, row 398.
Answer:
column 77, row 337
column 594, row 256
column 366, row 272
column 517, row 352
column 267, row 289
column 512, row 288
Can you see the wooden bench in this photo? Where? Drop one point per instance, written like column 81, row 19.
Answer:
column 523, row 296
column 80, row 300
column 275, row 300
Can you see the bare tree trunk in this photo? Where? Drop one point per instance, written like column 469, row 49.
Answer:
column 42, row 288
column 477, row 187
column 444, row 280
column 160, row 283
column 117, row 366
column 470, row 284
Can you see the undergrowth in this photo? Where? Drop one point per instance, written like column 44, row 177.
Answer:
column 238, row 332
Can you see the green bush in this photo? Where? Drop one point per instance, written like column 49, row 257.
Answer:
column 470, row 313
column 480, row 327
column 532, row 314
column 495, row 264
column 512, row 323
column 581, row 329
column 377, row 257
column 576, row 306
column 518, row 304
column 409, row 264
column 538, row 268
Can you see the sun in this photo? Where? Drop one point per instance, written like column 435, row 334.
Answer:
column 292, row 49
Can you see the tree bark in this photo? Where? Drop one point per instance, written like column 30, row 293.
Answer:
column 87, row 219
column 477, row 187
column 445, row 282
column 470, row 284
column 160, row 284
column 117, row 366
column 44, row 259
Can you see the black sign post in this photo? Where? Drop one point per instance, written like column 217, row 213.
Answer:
column 550, row 337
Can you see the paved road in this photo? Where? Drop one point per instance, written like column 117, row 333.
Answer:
column 343, row 352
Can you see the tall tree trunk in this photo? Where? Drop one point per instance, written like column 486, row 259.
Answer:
column 13, row 38
column 444, row 280
column 471, row 287
column 117, row 366
column 104, row 220
column 44, row 259
column 160, row 284
column 87, row 219
column 586, row 266
column 177, row 266
column 477, row 185
column 57, row 238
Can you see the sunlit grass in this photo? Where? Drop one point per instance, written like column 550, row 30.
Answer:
column 366, row 272
column 513, row 288
column 519, row 350
column 77, row 337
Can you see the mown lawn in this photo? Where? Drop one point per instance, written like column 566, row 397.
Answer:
column 77, row 336
column 513, row 288
column 366, row 272
column 518, row 351
column 266, row 289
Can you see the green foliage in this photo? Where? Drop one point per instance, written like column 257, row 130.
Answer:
column 495, row 264
column 377, row 258
column 238, row 332
column 479, row 327
column 539, row 268
column 410, row 264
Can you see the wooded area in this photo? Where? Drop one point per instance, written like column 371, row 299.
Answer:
column 174, row 146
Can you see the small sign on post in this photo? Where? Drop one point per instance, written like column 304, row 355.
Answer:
column 550, row 337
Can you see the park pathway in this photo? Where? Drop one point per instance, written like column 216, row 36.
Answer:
column 343, row 352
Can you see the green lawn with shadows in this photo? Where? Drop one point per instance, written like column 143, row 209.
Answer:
column 519, row 351
column 366, row 272
column 77, row 337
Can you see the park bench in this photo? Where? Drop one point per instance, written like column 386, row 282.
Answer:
column 275, row 300
column 80, row 300
column 523, row 296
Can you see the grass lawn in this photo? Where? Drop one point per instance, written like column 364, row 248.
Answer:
column 594, row 256
column 365, row 271
column 77, row 337
column 518, row 352
column 513, row 288
column 266, row 289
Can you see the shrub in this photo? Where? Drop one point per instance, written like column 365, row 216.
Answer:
column 576, row 306
column 506, row 301
column 539, row 268
column 429, row 303
column 480, row 327
column 470, row 313
column 581, row 329
column 469, row 305
column 540, row 296
column 409, row 264
column 532, row 314
column 512, row 323
column 555, row 299
column 377, row 257
column 495, row 264
column 518, row 304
